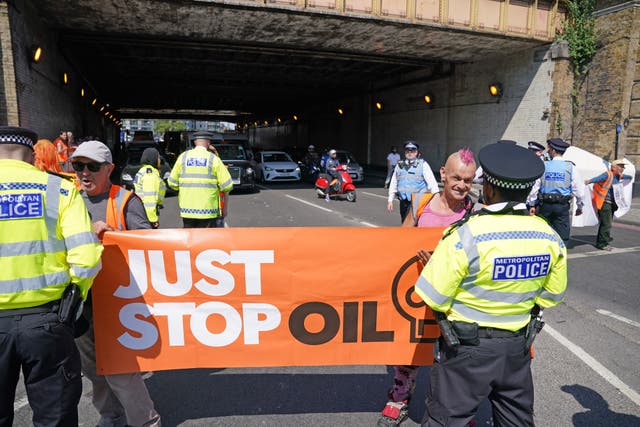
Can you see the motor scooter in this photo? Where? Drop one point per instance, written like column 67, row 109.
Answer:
column 324, row 187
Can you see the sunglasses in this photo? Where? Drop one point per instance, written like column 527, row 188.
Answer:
column 92, row 166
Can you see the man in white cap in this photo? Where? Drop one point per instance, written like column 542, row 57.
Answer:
column 412, row 175
column 121, row 399
column 604, row 200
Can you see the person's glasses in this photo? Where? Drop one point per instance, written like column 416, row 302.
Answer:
column 92, row 166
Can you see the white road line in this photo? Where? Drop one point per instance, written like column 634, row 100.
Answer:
column 609, row 376
column 602, row 253
column 618, row 317
column 309, row 203
column 374, row 195
column 368, row 224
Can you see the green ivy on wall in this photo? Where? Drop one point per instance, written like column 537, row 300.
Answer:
column 580, row 32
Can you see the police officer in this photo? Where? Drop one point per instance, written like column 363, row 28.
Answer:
column 200, row 176
column 412, row 175
column 537, row 148
column 487, row 274
column 49, row 257
column 554, row 189
column 149, row 185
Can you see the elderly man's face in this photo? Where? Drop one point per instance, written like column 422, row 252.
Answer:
column 457, row 178
column 93, row 183
column 618, row 169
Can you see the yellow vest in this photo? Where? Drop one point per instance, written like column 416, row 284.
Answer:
column 199, row 176
column 151, row 189
column 46, row 237
column 493, row 269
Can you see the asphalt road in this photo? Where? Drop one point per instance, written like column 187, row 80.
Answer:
column 585, row 369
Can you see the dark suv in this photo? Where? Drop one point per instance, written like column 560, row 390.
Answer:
column 240, row 167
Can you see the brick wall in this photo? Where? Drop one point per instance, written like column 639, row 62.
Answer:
column 45, row 104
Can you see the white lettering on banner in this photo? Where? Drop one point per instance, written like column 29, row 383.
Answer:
column 255, row 317
column 250, row 322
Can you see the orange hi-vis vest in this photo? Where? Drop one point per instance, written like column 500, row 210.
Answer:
column 118, row 198
column 600, row 190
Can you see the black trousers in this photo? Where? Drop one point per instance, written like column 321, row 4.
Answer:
column 44, row 349
column 497, row 369
column 405, row 205
column 559, row 218
column 605, row 215
column 217, row 222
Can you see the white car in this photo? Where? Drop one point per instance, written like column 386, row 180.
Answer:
column 277, row 166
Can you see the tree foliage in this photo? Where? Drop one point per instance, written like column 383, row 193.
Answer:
column 161, row 126
column 580, row 32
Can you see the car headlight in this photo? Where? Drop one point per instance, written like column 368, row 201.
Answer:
column 166, row 175
column 126, row 177
column 267, row 168
column 249, row 171
column 297, row 169
column 360, row 170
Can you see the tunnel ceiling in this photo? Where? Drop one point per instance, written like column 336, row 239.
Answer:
column 144, row 55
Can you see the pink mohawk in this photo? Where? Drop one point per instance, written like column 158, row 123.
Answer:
column 466, row 155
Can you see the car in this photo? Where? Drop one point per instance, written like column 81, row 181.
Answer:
column 355, row 170
column 277, row 166
column 132, row 164
column 239, row 165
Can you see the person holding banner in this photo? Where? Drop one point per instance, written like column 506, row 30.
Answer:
column 605, row 202
column 431, row 210
column 121, row 399
column 200, row 176
column 48, row 262
column 412, row 175
column 485, row 279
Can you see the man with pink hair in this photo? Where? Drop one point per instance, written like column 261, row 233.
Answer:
column 431, row 210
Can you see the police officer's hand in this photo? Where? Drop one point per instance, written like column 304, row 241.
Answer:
column 424, row 256
column 100, row 227
column 390, row 206
column 578, row 211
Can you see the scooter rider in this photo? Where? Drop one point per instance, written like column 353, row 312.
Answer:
column 332, row 169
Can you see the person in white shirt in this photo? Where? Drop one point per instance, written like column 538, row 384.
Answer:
column 392, row 160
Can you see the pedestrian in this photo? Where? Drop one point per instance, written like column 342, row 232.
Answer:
column 605, row 201
column 323, row 160
column 121, row 399
column 431, row 210
column 200, row 176
column 46, row 156
column 412, row 175
column 62, row 149
column 484, row 280
column 48, row 261
column 540, row 151
column 149, row 185
column 555, row 188
column 392, row 160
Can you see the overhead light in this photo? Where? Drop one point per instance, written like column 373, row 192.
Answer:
column 266, row 122
column 295, row 117
column 495, row 89
column 106, row 113
column 255, row 123
column 378, row 105
column 340, row 111
column 428, row 99
column 279, row 120
column 36, row 54
column 102, row 108
column 82, row 92
column 94, row 101
column 65, row 78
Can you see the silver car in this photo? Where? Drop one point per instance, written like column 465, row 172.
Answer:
column 277, row 166
column 355, row 170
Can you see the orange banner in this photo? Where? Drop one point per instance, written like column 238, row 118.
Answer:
column 250, row 297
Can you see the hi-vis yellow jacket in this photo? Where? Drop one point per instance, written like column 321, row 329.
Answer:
column 151, row 188
column 199, row 176
column 46, row 237
column 493, row 269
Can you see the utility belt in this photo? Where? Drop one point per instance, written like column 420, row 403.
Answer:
column 470, row 333
column 68, row 307
column 553, row 198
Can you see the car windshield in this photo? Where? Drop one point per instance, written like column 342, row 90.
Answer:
column 345, row 158
column 231, row 152
column 275, row 157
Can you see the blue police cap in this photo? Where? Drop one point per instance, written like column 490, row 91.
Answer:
column 535, row 146
column 507, row 141
column 20, row 136
column 510, row 166
column 411, row 145
column 558, row 144
column 202, row 134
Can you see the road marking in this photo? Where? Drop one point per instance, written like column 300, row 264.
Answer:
column 609, row 376
column 368, row 224
column 618, row 317
column 309, row 203
column 626, row 226
column 374, row 195
column 602, row 253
